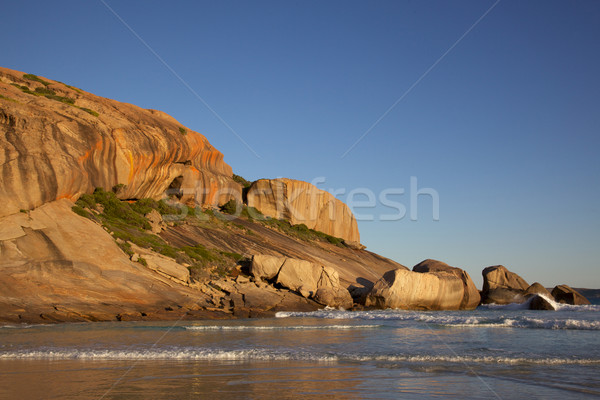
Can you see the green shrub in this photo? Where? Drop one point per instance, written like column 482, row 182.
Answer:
column 144, row 206
column 126, row 247
column 241, row 181
column 182, row 130
column 8, row 99
column 87, row 110
column 232, row 207
column 167, row 209
column 87, row 200
column 235, row 256
column 142, row 261
column 71, row 87
column 115, row 209
column 81, row 211
column 33, row 77
column 45, row 91
column 20, row 86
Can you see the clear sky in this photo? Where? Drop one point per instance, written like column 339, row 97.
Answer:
column 505, row 127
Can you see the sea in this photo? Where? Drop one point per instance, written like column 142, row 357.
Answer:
column 494, row 352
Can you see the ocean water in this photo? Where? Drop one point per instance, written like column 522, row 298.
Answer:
column 492, row 352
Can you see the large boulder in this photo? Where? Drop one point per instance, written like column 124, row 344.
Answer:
column 302, row 203
column 411, row 290
column 266, row 267
column 332, row 298
column 53, row 150
column 568, row 295
column 538, row 288
column 471, row 296
column 304, row 277
column 501, row 286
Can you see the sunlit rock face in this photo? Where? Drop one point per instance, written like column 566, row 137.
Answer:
column 302, row 203
column 60, row 142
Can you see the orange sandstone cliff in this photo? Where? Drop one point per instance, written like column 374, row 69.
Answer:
column 302, row 203
column 60, row 142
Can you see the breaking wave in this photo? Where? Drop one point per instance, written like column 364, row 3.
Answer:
column 532, row 320
column 277, row 328
column 192, row 354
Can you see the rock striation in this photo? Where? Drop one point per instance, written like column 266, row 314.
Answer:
column 60, row 142
column 320, row 283
column 57, row 265
column 302, row 203
column 433, row 285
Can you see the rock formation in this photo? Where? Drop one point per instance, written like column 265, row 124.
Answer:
column 471, row 297
column 500, row 286
column 541, row 302
column 538, row 288
column 302, row 203
column 57, row 265
column 568, row 295
column 310, row 280
column 403, row 289
column 60, row 142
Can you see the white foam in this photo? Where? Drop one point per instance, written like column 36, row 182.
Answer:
column 277, row 328
column 191, row 354
column 533, row 320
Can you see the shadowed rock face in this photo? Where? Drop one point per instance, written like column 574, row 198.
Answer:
column 52, row 150
column 500, row 286
column 471, row 298
column 302, row 203
column 568, row 295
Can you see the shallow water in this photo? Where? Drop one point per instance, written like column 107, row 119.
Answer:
column 492, row 352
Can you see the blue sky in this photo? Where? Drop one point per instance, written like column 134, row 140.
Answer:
column 505, row 127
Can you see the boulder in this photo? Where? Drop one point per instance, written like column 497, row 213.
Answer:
column 567, row 295
column 303, row 203
column 541, row 302
column 500, row 286
column 332, row 298
column 295, row 274
column 471, row 297
column 503, row 296
column 538, row 288
column 411, row 290
column 265, row 267
column 156, row 222
column 165, row 266
column 303, row 277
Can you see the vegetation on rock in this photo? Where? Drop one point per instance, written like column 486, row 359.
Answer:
column 242, row 181
column 127, row 223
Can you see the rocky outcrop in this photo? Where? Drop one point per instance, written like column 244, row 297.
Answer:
column 52, row 149
column 403, row 289
column 471, row 296
column 163, row 265
column 303, row 203
column 500, row 286
column 57, row 266
column 310, row 280
column 541, row 302
column 568, row 295
column 538, row 288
